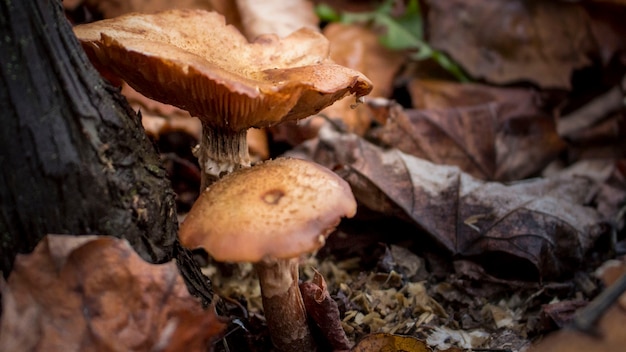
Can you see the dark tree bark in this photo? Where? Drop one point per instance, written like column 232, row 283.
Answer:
column 74, row 158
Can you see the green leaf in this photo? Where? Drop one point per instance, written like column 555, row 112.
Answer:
column 396, row 37
column 404, row 32
column 360, row 17
column 411, row 19
column 327, row 13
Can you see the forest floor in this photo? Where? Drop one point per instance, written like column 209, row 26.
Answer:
column 488, row 164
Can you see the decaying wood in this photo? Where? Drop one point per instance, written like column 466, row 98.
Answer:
column 75, row 159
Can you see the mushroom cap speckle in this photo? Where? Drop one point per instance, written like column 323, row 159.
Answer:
column 281, row 208
column 193, row 60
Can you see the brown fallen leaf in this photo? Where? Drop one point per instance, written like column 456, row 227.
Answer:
column 510, row 41
column 610, row 197
column 158, row 118
column 258, row 144
column 70, row 5
column 542, row 223
column 432, row 94
column 608, row 28
column 609, row 194
column 559, row 314
column 491, row 133
column 391, row 343
column 276, row 16
column 598, row 128
column 357, row 47
column 324, row 311
column 91, row 293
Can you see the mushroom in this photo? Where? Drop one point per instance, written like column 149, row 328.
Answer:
column 271, row 214
column 193, row 60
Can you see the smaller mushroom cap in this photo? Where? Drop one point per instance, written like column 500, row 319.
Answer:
column 281, row 208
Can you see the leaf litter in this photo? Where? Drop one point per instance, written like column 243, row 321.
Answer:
column 484, row 208
column 94, row 293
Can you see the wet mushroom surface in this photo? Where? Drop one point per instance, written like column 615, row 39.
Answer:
column 272, row 215
column 193, row 60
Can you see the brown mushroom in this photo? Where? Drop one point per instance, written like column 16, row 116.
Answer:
column 271, row 214
column 193, row 60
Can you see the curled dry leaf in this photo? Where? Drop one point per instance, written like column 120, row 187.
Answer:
column 490, row 133
column 542, row 222
column 324, row 311
column 541, row 42
column 235, row 84
column 93, row 293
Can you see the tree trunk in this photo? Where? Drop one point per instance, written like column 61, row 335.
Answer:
column 74, row 157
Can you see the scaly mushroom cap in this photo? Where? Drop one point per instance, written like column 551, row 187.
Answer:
column 280, row 208
column 193, row 60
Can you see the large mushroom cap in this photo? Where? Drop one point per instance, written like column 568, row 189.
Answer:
column 193, row 60
column 281, row 208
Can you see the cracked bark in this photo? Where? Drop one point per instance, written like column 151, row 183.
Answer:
column 74, row 157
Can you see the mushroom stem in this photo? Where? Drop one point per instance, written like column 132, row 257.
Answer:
column 221, row 151
column 283, row 305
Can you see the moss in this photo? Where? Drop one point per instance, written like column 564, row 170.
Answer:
column 155, row 170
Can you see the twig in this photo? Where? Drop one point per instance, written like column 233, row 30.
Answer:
column 588, row 316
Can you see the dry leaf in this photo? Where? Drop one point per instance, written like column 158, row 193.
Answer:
column 598, row 128
column 445, row 339
column 276, row 16
column 93, row 293
column 158, row 118
column 611, row 196
column 432, row 94
column 71, row 5
column 491, row 133
column 390, row 343
column 559, row 314
column 356, row 47
column 239, row 85
column 503, row 42
column 324, row 311
column 541, row 223
column 258, row 144
column 608, row 28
